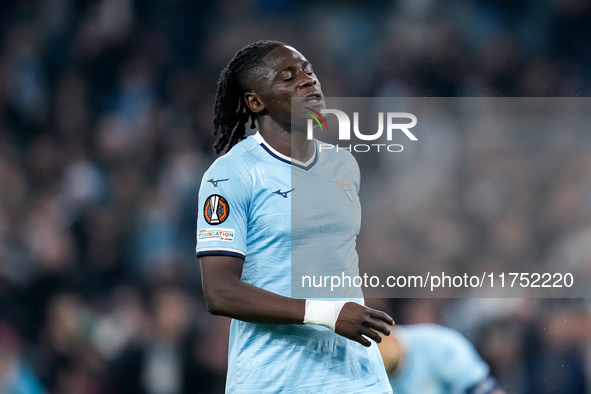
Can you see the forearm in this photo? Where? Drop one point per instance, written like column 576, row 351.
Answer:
column 227, row 295
column 243, row 301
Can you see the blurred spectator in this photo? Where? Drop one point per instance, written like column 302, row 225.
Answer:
column 167, row 361
column 556, row 356
column 16, row 375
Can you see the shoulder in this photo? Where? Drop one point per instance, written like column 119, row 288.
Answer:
column 240, row 153
column 442, row 341
column 447, row 344
column 238, row 161
column 435, row 333
column 334, row 153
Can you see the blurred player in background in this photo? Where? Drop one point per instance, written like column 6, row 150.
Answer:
column 244, row 238
column 432, row 359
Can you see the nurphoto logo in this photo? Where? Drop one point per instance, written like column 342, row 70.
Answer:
column 391, row 119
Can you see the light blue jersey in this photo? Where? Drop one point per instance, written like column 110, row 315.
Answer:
column 246, row 202
column 439, row 360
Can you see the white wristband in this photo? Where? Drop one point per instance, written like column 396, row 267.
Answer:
column 323, row 313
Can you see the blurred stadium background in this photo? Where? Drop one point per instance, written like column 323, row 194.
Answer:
column 105, row 112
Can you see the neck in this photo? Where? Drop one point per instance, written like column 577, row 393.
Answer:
column 288, row 143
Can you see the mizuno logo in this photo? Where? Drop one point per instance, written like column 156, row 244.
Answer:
column 283, row 194
column 215, row 183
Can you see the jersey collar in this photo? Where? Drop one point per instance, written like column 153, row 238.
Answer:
column 286, row 159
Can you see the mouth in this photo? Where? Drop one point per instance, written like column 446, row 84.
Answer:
column 313, row 98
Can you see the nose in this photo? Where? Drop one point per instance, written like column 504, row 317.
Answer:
column 307, row 80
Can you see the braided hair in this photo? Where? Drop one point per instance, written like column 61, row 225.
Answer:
column 231, row 111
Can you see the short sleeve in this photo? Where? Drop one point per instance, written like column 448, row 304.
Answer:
column 223, row 211
column 463, row 367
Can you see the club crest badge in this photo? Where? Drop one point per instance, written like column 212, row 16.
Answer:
column 346, row 188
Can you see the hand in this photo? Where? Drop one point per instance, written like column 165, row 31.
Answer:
column 356, row 321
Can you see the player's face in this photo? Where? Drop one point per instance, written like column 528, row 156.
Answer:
column 288, row 74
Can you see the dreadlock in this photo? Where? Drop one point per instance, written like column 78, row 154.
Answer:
column 231, row 112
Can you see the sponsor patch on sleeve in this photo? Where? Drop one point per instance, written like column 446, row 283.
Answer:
column 216, row 209
column 215, row 234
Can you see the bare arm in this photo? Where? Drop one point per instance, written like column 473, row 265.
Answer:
column 226, row 294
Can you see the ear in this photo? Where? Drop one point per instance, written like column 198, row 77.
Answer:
column 254, row 102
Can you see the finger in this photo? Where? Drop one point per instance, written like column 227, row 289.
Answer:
column 362, row 340
column 379, row 326
column 373, row 335
column 381, row 316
